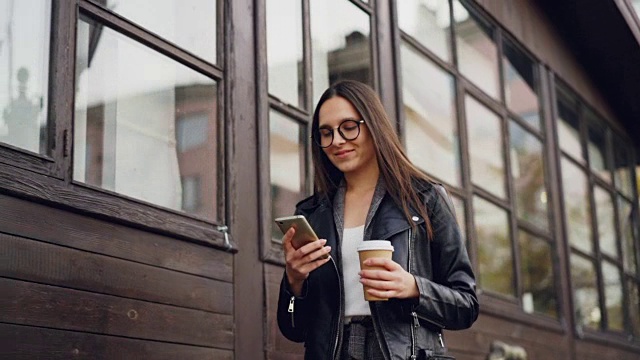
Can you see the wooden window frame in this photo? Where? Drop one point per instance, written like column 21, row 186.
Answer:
column 54, row 184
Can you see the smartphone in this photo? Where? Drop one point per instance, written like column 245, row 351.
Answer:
column 304, row 232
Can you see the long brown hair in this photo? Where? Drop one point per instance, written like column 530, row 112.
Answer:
column 399, row 174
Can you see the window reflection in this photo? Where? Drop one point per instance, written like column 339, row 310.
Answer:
column 287, row 146
column 477, row 53
column 527, row 170
column 458, row 205
column 569, row 129
column 633, row 290
column 143, row 123
column 24, row 73
column 613, row 296
column 520, row 85
column 431, row 130
column 340, row 44
column 622, row 167
column 627, row 224
column 188, row 24
column 428, row 22
column 494, row 247
column 585, row 292
column 536, row 269
column 597, row 147
column 284, row 50
column 576, row 202
column 606, row 221
column 485, row 147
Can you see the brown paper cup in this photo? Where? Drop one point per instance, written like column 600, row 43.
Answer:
column 373, row 249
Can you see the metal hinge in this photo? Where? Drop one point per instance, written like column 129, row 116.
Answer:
column 225, row 230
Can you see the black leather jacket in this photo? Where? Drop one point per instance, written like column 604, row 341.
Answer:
column 405, row 328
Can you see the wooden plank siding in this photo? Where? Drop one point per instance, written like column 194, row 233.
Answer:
column 78, row 287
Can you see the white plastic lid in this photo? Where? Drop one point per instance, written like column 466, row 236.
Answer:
column 375, row 245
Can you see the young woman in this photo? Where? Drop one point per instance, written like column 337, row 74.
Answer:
column 366, row 188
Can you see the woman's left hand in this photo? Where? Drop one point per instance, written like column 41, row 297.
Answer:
column 388, row 280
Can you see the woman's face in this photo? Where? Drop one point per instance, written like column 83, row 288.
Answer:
column 349, row 156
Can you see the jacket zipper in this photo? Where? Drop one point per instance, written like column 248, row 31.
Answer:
column 414, row 314
column 290, row 310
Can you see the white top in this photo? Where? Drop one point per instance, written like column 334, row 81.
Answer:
column 353, row 291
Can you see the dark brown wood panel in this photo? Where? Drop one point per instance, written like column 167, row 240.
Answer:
column 56, row 265
column 277, row 345
column 27, row 303
column 26, row 219
column 27, row 342
column 586, row 350
column 539, row 344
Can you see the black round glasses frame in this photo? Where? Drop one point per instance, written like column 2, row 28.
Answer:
column 341, row 129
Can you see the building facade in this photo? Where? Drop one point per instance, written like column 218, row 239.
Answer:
column 146, row 146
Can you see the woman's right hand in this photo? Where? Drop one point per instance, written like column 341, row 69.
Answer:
column 302, row 261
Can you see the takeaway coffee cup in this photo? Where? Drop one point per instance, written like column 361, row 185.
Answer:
column 373, row 249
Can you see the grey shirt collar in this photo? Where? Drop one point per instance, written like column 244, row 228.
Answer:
column 338, row 207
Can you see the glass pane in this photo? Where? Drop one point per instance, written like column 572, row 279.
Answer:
column 284, row 50
column 613, row 296
column 597, row 147
column 606, row 222
column 131, row 124
column 527, row 170
column 286, row 156
column 627, row 223
column 569, row 130
column 520, row 85
column 622, row 167
column 477, row 53
column 340, row 44
column 459, row 206
column 485, row 147
column 428, row 22
column 431, row 130
column 576, row 206
column 585, row 292
column 494, row 247
column 25, row 28
column 536, row 268
column 634, row 306
column 188, row 24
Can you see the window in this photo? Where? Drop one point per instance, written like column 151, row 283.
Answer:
column 24, row 60
column 475, row 123
column 431, row 131
column 309, row 45
column 129, row 117
column 599, row 219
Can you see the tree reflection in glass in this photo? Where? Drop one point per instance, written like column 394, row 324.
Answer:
column 484, row 129
column 536, row 268
column 577, row 208
column 606, row 221
column 495, row 258
column 586, row 303
column 527, row 170
column 613, row 296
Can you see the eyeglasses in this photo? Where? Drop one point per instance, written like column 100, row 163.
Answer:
column 348, row 129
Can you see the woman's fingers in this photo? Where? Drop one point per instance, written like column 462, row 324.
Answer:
column 388, row 280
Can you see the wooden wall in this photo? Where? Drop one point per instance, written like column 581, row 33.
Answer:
column 81, row 288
